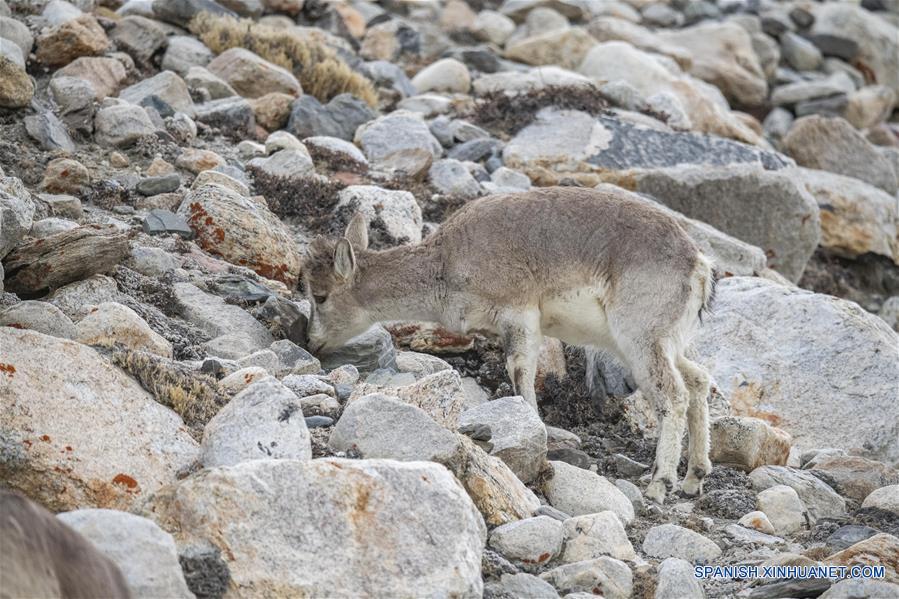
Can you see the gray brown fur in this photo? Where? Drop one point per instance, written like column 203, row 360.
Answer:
column 596, row 268
column 42, row 557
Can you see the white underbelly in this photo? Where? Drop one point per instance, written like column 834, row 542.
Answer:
column 577, row 317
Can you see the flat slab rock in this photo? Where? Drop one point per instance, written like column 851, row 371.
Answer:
column 332, row 527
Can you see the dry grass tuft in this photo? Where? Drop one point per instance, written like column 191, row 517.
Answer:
column 192, row 395
column 320, row 71
column 505, row 114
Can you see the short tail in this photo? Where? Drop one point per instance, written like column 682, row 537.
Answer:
column 710, row 278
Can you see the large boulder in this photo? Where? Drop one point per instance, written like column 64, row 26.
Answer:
column 243, row 231
column 832, row 144
column 820, row 499
column 767, row 208
column 441, row 395
column 819, row 367
column 723, row 55
column 856, row 217
column 649, row 74
column 104, row 74
column 562, row 143
column 111, row 324
column 145, row 554
column 82, row 433
column 399, row 141
column 16, row 213
column 877, row 38
column 331, row 527
column 578, row 492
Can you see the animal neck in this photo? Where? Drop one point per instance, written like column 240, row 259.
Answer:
column 402, row 283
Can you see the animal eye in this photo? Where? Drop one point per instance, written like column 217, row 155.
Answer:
column 320, row 299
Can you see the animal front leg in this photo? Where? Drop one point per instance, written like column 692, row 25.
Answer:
column 698, row 464
column 521, row 341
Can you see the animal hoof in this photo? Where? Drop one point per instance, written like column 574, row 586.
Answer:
column 656, row 491
column 692, row 486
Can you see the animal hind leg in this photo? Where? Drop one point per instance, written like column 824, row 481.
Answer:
column 698, row 464
column 658, row 379
column 521, row 340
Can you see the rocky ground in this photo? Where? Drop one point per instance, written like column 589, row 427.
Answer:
column 164, row 163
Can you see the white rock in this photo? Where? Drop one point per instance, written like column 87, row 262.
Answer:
column 784, row 509
column 42, row 317
column 492, row 26
column 294, row 162
column 111, row 323
column 82, row 433
column 531, row 542
column 440, row 395
column 445, row 75
column 397, row 211
column 677, row 581
column 884, row 498
column 577, row 492
column 264, row 421
column 757, row 520
column 791, row 354
column 820, row 500
column 594, row 535
column 242, row 378
column 353, row 517
column 670, row 540
column 282, row 140
column 145, row 554
column 607, row 576
column 380, row 426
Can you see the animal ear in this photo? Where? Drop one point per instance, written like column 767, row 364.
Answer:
column 344, row 260
column 357, row 233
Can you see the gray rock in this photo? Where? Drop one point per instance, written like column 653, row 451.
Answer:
column 354, row 520
column 832, row 144
column 800, row 53
column 167, row 86
column 450, row 177
column 18, row 33
column 661, row 15
column 387, row 74
column 232, row 115
column 476, row 150
column 336, row 146
column 574, row 141
column 211, row 314
column 829, row 106
column 304, row 385
column 846, row 536
column 75, row 101
column 877, row 38
column 578, row 492
column 521, row 585
column 518, row 435
column 42, row 317
column 750, row 536
column 122, row 125
column 199, row 78
column 379, row 426
column 64, row 206
column 399, row 141
column 16, row 213
column 776, row 214
column 800, row 91
column 369, row 351
column 677, row 581
column 151, row 261
column 338, row 118
column 138, row 36
column 262, row 422
column 441, row 395
column 295, row 359
column 57, row 12
column 885, row 498
column 150, row 186
column 798, row 362
column 530, row 543
column 46, row 227
column 49, row 132
column 74, row 297
column 162, row 222
column 184, row 52
column 133, row 543
column 605, row 575
column 820, row 500
column 286, row 163
column 670, row 540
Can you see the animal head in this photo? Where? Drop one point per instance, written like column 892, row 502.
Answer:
column 329, row 273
